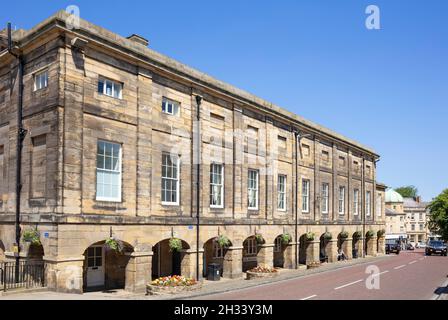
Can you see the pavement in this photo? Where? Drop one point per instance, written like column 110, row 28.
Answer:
column 410, row 275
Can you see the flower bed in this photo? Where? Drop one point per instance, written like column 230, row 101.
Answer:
column 172, row 285
column 261, row 272
column 313, row 265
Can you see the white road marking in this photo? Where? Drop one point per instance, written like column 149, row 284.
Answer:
column 310, row 297
column 421, row 259
column 348, row 284
column 399, row 267
column 412, row 262
column 378, row 274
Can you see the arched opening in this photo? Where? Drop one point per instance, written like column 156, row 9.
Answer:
column 303, row 248
column 250, row 252
column 2, row 251
column 324, row 246
column 279, row 252
column 165, row 261
column 35, row 252
column 104, row 267
column 214, row 253
column 355, row 246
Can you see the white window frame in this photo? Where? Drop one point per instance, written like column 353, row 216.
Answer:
column 368, row 204
column 167, row 103
column 356, row 202
column 214, row 184
column 114, row 86
column 110, row 199
column 177, row 179
column 249, row 189
column 281, row 193
column 325, row 197
column 306, row 196
column 251, row 246
column 38, row 78
column 341, row 201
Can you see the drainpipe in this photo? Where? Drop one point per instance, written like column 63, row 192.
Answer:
column 296, row 204
column 363, row 203
column 21, row 132
column 198, row 182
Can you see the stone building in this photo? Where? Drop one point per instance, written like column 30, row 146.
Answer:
column 395, row 216
column 124, row 143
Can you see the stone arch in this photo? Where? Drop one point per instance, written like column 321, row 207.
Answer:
column 2, row 251
column 166, row 262
column 105, row 268
column 325, row 253
column 279, row 252
column 357, row 245
column 370, row 243
column 303, row 249
column 214, row 253
column 35, row 252
column 250, row 253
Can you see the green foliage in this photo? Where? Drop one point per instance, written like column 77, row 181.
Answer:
column 286, row 238
column 438, row 221
column 31, row 235
column 175, row 245
column 259, row 238
column 327, row 236
column 114, row 244
column 370, row 234
column 310, row 236
column 343, row 235
column 407, row 191
column 381, row 233
column 223, row 241
column 357, row 235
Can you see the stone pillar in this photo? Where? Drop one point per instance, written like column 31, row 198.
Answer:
column 312, row 251
column 381, row 246
column 360, row 246
column 265, row 256
column 138, row 271
column 233, row 264
column 332, row 250
column 371, row 247
column 347, row 247
column 188, row 264
column 65, row 274
column 289, row 255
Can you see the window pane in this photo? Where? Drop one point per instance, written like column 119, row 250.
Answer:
column 101, row 86
column 108, row 88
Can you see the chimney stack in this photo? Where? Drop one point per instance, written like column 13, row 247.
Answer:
column 139, row 39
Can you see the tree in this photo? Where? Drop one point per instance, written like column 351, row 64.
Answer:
column 438, row 221
column 408, row 191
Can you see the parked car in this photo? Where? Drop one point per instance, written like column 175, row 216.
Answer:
column 420, row 245
column 392, row 246
column 436, row 247
column 409, row 246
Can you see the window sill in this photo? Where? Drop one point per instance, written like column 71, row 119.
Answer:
column 170, row 204
column 109, row 200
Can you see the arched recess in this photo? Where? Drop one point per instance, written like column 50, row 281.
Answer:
column 166, row 262
column 105, row 268
column 303, row 248
column 324, row 247
column 214, row 253
column 250, row 252
column 279, row 252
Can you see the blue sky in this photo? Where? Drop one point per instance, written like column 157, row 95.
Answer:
column 385, row 88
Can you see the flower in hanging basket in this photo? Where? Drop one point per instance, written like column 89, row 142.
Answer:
column 174, row 281
column 370, row 234
column 114, row 244
column 32, row 236
column 223, row 241
column 286, row 238
column 259, row 238
column 343, row 235
column 310, row 236
column 175, row 245
column 327, row 236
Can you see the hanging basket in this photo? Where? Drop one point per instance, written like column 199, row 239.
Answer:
column 259, row 238
column 310, row 236
column 286, row 238
column 175, row 245
column 328, row 236
column 343, row 235
column 223, row 241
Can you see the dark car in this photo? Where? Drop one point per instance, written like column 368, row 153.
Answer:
column 392, row 246
column 435, row 247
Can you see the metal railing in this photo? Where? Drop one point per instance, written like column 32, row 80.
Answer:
column 25, row 274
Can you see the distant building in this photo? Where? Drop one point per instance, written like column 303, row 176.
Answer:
column 395, row 216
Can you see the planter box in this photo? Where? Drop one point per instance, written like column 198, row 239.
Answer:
column 257, row 275
column 157, row 290
column 314, row 266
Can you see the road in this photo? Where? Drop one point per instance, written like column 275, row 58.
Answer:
column 410, row 275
